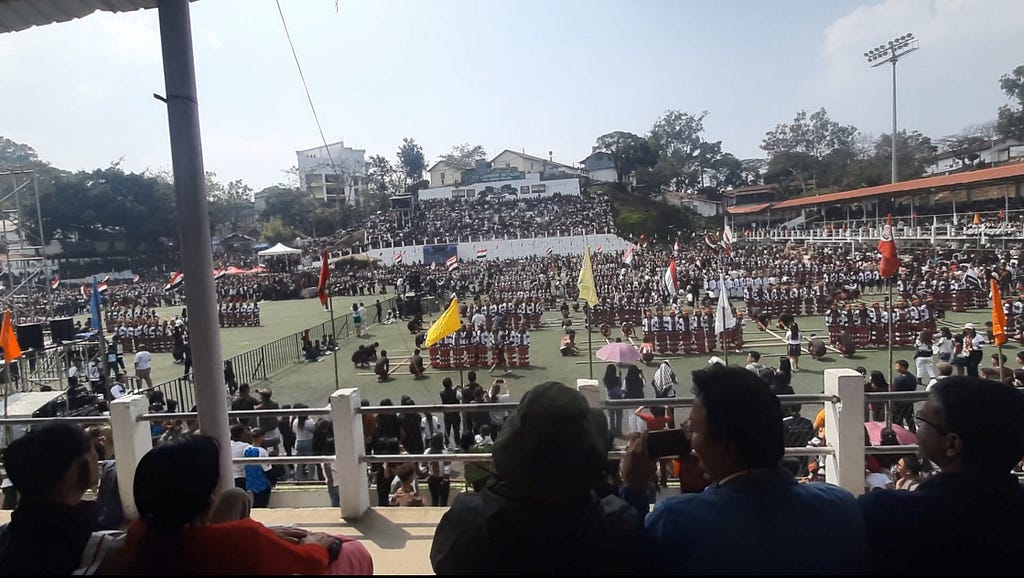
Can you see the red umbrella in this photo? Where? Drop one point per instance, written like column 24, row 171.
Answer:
column 903, row 436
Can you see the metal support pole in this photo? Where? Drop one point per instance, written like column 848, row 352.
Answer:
column 895, row 175
column 194, row 224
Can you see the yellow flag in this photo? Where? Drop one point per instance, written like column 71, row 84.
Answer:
column 8, row 340
column 588, row 290
column 445, row 325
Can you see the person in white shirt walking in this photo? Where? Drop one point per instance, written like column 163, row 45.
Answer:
column 143, row 366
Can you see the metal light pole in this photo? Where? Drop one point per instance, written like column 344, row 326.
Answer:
column 892, row 52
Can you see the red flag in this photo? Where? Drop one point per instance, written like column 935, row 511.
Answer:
column 325, row 274
column 998, row 315
column 889, row 264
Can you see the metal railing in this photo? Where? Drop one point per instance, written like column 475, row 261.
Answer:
column 263, row 362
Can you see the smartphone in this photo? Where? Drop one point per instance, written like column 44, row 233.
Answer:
column 667, row 442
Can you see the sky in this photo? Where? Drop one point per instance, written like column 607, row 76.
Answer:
column 533, row 75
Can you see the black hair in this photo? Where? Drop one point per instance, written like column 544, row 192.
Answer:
column 237, row 430
column 37, row 461
column 447, row 383
column 658, row 410
column 610, row 374
column 742, row 412
column 877, row 379
column 174, row 484
column 754, row 355
column 986, row 415
column 902, row 362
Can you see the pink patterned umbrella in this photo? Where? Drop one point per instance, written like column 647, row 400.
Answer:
column 904, row 436
column 619, row 352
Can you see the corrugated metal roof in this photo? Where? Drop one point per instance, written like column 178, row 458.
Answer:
column 21, row 14
column 747, row 209
column 917, row 185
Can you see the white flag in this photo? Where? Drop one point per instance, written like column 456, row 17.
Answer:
column 723, row 312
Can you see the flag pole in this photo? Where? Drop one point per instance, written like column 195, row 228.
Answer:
column 892, row 310
column 334, row 333
column 590, row 341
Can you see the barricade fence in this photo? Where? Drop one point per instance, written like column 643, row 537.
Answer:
column 264, row 362
column 130, row 418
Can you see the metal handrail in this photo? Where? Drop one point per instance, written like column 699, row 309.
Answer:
column 896, row 396
column 889, row 450
column 84, row 419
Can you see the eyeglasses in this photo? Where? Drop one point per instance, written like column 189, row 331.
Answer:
column 934, row 426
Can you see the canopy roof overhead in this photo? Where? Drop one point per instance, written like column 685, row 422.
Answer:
column 21, row 14
column 279, row 249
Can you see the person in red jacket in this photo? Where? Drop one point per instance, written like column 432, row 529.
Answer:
column 175, row 492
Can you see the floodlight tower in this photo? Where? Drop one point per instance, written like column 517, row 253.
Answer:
column 895, row 49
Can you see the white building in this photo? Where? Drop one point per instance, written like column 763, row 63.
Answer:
column 600, row 167
column 339, row 176
column 996, row 152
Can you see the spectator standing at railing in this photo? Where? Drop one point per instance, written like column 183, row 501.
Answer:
column 752, row 520
column 966, row 519
column 272, row 435
column 244, row 402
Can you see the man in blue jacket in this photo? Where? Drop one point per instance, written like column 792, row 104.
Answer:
column 755, row 518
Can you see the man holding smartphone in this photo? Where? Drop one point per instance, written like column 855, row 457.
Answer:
column 752, row 519
column 657, row 420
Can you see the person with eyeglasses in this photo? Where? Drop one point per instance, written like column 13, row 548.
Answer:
column 965, row 519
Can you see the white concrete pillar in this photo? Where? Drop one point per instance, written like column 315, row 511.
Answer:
column 132, row 439
column 349, row 450
column 591, row 390
column 844, row 429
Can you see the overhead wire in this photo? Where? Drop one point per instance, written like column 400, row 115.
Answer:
column 309, row 97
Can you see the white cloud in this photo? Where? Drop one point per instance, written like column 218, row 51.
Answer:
column 951, row 82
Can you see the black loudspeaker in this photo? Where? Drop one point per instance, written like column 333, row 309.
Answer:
column 30, row 335
column 62, row 329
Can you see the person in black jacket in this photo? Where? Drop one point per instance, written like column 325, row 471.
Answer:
column 541, row 512
column 52, row 468
column 965, row 520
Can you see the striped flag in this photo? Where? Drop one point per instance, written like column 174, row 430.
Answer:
column 433, row 265
column 600, row 247
column 176, row 279
column 453, row 263
column 675, row 248
column 55, row 283
column 85, row 291
column 671, row 279
column 101, row 286
column 627, row 257
column 482, row 253
column 217, row 273
column 549, row 251
column 399, row 256
column 135, row 279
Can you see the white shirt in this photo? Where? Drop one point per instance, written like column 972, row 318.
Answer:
column 116, row 390
column 143, row 359
column 303, row 431
column 237, row 449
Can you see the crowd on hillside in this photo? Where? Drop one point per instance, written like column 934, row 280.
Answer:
column 446, row 220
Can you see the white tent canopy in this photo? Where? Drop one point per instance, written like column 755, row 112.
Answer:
column 279, row 249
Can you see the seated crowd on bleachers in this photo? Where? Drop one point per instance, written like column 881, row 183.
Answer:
column 445, row 220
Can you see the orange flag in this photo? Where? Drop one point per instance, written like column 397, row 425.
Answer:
column 998, row 315
column 8, row 340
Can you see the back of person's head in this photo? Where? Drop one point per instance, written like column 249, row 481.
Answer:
column 754, row 356
column 436, row 443
column 741, row 411
column 173, row 488
column 237, row 431
column 37, row 462
column 609, row 373
column 485, row 431
column 447, row 383
column 945, row 369
column 785, row 366
column 471, row 376
column 658, row 410
column 553, row 424
column 406, row 400
column 878, row 379
column 243, row 388
column 986, row 416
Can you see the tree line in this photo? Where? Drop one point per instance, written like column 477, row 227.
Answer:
column 811, row 151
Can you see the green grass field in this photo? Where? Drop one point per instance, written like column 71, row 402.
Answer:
column 312, row 383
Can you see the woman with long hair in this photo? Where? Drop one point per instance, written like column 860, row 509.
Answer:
column 613, row 387
column 175, row 491
column 412, row 431
column 794, row 343
column 634, row 390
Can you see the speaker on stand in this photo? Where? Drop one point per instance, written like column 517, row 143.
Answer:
column 30, row 335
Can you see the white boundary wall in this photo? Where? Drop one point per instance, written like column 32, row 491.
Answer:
column 511, row 248
column 532, row 183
